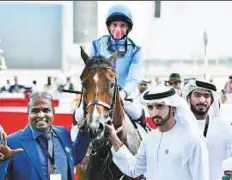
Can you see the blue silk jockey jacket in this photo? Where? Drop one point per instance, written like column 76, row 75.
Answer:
column 128, row 65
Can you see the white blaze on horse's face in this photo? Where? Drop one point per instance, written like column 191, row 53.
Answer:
column 95, row 78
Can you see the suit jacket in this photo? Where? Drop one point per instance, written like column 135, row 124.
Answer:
column 26, row 165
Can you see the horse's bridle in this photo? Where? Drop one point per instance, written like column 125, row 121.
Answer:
column 109, row 117
column 110, row 107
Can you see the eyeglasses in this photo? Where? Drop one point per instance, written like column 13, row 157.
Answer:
column 45, row 95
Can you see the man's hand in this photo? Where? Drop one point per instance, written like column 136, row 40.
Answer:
column 5, row 151
column 111, row 132
column 112, row 136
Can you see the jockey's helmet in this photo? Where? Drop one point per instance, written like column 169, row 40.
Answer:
column 120, row 12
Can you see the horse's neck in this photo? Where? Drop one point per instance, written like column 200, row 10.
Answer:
column 129, row 135
column 119, row 119
column 118, row 114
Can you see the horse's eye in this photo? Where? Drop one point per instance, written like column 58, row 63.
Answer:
column 84, row 86
column 111, row 85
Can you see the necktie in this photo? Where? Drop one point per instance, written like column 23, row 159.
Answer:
column 45, row 141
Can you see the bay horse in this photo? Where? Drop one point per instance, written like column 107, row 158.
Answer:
column 101, row 105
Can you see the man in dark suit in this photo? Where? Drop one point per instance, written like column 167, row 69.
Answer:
column 41, row 151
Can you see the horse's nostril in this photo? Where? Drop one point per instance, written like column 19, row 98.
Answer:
column 101, row 127
column 109, row 122
column 92, row 133
column 95, row 129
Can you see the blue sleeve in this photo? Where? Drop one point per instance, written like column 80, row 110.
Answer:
column 80, row 146
column 93, row 49
column 134, row 72
column 4, row 168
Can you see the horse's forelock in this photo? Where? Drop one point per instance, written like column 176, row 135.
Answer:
column 97, row 62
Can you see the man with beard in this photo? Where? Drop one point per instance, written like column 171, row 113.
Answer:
column 203, row 100
column 173, row 151
column 41, row 150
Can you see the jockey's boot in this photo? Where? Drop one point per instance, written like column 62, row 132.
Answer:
column 78, row 114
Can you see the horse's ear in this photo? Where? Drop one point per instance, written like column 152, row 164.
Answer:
column 114, row 56
column 84, row 56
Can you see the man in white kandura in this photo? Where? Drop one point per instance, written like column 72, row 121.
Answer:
column 204, row 103
column 173, row 151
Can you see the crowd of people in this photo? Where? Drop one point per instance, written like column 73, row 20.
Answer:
column 54, row 86
column 190, row 141
column 51, row 85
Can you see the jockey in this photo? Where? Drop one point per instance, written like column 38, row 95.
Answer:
column 204, row 103
column 119, row 23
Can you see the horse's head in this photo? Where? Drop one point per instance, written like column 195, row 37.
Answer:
column 99, row 86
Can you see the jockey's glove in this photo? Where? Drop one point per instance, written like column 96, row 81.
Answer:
column 123, row 94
